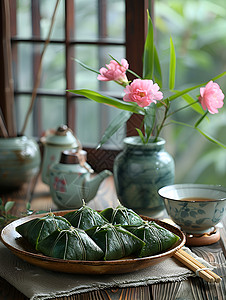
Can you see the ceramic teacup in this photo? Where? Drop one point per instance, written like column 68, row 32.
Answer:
column 196, row 208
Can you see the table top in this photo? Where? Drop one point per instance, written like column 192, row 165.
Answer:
column 191, row 289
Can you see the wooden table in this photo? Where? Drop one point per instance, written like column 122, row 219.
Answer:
column 193, row 288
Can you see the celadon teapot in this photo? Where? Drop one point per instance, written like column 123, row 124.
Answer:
column 54, row 143
column 71, row 180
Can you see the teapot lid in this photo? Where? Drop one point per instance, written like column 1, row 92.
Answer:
column 74, row 156
column 62, row 136
column 70, row 156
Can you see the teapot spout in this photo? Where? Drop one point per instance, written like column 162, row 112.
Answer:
column 91, row 186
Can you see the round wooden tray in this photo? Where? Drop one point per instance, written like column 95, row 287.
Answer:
column 17, row 244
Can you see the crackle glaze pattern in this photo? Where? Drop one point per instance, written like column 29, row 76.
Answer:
column 139, row 171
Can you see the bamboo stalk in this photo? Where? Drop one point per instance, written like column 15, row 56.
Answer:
column 38, row 78
column 196, row 266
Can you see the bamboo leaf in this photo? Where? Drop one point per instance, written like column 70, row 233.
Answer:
column 148, row 56
column 129, row 106
column 157, row 69
column 85, row 66
column 133, row 73
column 185, row 91
column 181, row 123
column 194, row 106
column 172, row 70
column 141, row 135
column 211, row 139
column 114, row 126
column 208, row 137
column 9, row 205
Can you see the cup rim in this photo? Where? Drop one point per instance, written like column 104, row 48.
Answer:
column 193, row 186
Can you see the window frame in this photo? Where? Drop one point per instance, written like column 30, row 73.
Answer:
column 135, row 33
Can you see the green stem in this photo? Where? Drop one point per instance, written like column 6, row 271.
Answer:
column 179, row 109
column 162, row 123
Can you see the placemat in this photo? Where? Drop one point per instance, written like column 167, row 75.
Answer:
column 37, row 283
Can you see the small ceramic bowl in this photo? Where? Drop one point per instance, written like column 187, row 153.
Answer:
column 196, row 208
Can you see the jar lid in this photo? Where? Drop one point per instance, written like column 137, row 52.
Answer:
column 62, row 136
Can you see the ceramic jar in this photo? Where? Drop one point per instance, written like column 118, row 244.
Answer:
column 139, row 171
column 19, row 160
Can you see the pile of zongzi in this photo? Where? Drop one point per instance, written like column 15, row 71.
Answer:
column 86, row 234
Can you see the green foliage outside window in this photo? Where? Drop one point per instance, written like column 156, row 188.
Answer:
column 198, row 32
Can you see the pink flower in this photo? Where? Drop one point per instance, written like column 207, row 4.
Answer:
column 211, row 97
column 114, row 71
column 143, row 92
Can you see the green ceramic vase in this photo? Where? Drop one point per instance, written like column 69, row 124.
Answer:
column 139, row 171
column 19, row 160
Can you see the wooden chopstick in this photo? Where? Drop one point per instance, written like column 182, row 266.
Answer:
column 196, row 266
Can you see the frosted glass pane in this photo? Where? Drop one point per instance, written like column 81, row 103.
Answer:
column 53, row 70
column 91, row 121
column 84, row 78
column 116, row 19
column 86, row 19
column 96, row 57
column 24, row 25
column 53, row 112
column 46, row 11
column 25, row 75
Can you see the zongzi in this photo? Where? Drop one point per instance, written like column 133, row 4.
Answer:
column 71, row 244
column 115, row 241
column 37, row 229
column 156, row 238
column 121, row 215
column 85, row 217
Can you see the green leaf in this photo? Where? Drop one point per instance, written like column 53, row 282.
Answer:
column 208, row 137
column 133, row 73
column 114, row 126
column 211, row 139
column 149, row 120
column 181, row 123
column 172, row 69
column 194, row 106
column 185, row 91
column 148, row 56
column 141, row 135
column 86, row 67
column 0, row 201
column 129, row 106
column 157, row 69
column 9, row 205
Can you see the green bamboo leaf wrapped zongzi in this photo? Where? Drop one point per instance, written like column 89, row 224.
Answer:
column 156, row 238
column 71, row 244
column 37, row 229
column 85, row 217
column 115, row 241
column 121, row 215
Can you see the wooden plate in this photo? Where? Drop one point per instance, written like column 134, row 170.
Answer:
column 17, row 244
